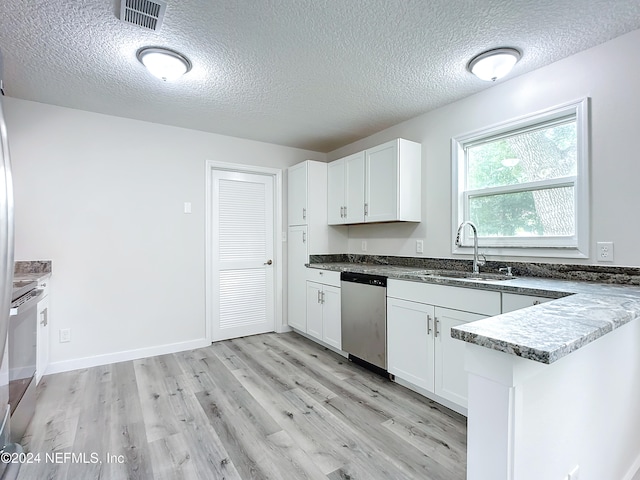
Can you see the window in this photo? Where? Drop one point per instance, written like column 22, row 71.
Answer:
column 524, row 184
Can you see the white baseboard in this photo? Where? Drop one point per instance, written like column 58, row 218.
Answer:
column 320, row 342
column 436, row 398
column 109, row 358
column 283, row 329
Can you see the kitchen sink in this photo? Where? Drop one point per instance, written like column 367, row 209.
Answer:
column 485, row 276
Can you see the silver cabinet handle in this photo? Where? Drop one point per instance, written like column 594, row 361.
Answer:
column 304, row 237
column 319, row 292
column 268, row 262
column 366, row 209
column 44, row 316
column 341, row 212
column 436, row 332
column 536, row 302
column 428, row 324
column 304, row 213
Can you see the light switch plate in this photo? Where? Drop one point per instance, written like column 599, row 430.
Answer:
column 187, row 207
column 419, row 246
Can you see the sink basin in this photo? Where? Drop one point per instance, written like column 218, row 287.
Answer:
column 468, row 275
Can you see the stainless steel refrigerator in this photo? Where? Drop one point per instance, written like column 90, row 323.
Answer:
column 7, row 469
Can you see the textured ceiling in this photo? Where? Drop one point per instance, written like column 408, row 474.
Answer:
column 314, row 74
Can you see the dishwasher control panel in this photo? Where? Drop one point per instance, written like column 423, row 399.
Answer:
column 364, row 278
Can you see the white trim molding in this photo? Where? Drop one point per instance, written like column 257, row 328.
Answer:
column 576, row 246
column 109, row 358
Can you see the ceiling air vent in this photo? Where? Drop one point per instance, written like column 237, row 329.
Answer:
column 144, row 13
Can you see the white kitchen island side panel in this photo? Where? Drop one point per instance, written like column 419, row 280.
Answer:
column 529, row 421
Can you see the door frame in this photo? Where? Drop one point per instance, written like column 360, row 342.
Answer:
column 276, row 174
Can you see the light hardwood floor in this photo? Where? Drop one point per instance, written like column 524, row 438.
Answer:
column 274, row 406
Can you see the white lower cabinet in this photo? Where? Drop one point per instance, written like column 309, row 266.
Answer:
column 297, row 275
column 410, row 346
column 323, row 313
column 421, row 351
column 450, row 374
column 43, row 339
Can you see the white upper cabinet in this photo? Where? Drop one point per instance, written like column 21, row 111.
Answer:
column 346, row 190
column 336, row 192
column 297, row 191
column 307, row 205
column 381, row 184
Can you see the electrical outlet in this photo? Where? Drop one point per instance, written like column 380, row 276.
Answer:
column 364, row 245
column 65, row 335
column 419, row 246
column 605, row 251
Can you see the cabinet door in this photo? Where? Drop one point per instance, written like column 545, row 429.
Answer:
column 314, row 310
column 297, row 194
column 42, row 339
column 331, row 316
column 410, row 342
column 354, row 187
column 381, row 186
column 297, row 273
column 451, row 377
column 335, row 193
column 512, row 301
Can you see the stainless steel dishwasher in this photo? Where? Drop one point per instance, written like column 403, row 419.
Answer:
column 364, row 319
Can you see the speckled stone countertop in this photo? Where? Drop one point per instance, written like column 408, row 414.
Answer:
column 32, row 270
column 582, row 310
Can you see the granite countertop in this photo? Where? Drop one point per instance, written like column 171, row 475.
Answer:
column 35, row 270
column 581, row 312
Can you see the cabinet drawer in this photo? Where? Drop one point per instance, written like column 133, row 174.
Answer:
column 457, row 298
column 326, row 277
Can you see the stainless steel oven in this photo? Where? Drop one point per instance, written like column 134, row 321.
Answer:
column 22, row 348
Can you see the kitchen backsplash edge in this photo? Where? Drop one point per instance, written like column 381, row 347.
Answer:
column 590, row 273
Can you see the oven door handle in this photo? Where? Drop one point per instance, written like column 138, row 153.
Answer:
column 32, row 302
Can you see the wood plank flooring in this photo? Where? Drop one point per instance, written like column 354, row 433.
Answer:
column 273, row 406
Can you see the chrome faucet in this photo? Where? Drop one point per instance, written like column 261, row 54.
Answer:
column 476, row 263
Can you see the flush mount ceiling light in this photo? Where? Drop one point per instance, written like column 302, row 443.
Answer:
column 494, row 64
column 164, row 63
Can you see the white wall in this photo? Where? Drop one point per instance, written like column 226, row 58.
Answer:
column 102, row 197
column 609, row 74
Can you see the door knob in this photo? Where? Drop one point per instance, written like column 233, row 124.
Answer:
column 268, row 262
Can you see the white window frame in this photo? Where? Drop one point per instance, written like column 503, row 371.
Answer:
column 576, row 246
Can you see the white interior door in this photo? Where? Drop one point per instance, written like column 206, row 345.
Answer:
column 242, row 238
